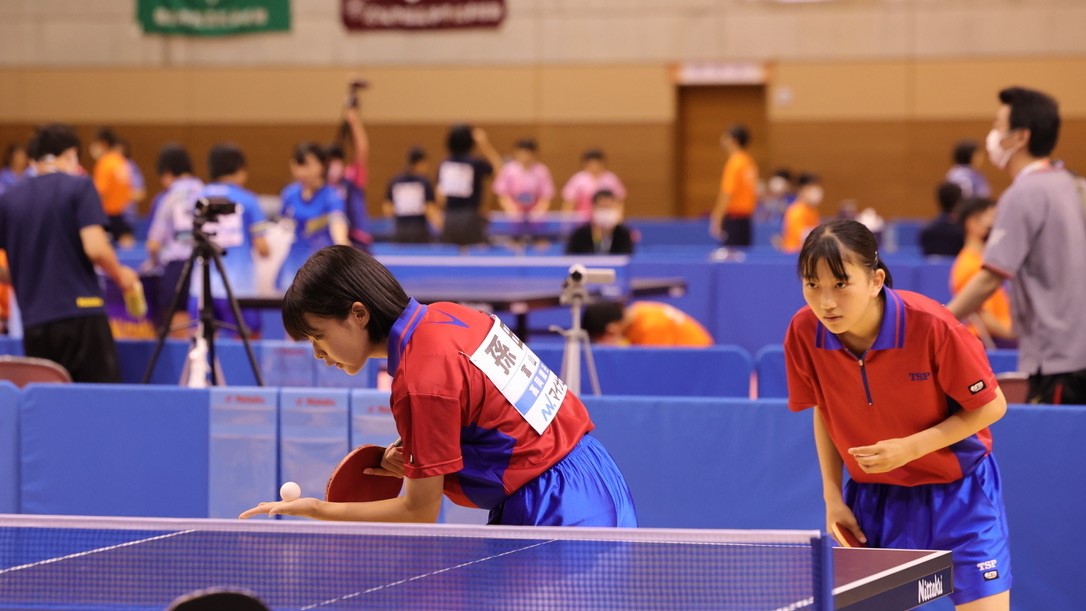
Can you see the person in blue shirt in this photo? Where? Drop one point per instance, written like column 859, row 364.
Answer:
column 968, row 158
column 52, row 227
column 240, row 235
column 314, row 207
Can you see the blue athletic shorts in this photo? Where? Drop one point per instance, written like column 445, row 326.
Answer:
column 966, row 517
column 583, row 489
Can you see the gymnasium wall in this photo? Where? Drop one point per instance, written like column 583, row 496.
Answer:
column 869, row 94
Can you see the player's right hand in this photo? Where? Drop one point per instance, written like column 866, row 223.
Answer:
column 840, row 513
column 307, row 507
column 127, row 278
column 391, row 463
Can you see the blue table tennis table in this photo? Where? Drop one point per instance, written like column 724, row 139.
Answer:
column 52, row 562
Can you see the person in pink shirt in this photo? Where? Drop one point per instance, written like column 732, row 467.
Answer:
column 525, row 189
column 594, row 177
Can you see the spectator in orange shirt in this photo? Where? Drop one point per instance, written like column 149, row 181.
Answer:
column 113, row 180
column 643, row 323
column 992, row 323
column 730, row 219
column 802, row 216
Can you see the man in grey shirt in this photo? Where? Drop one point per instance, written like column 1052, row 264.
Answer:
column 1038, row 242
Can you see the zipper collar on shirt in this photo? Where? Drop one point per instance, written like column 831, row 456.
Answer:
column 401, row 333
column 891, row 329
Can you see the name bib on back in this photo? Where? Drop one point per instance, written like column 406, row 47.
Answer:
column 533, row 389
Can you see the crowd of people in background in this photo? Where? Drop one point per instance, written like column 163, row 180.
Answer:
column 326, row 204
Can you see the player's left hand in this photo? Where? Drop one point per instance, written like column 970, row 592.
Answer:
column 391, row 463
column 307, row 507
column 886, row 455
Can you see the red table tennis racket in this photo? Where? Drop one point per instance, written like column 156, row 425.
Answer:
column 844, row 536
column 350, row 484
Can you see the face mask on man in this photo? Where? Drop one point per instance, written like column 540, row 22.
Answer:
column 607, row 218
column 998, row 155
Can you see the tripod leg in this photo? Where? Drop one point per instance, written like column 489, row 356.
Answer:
column 571, row 362
column 164, row 328
column 243, row 330
column 207, row 314
column 590, row 361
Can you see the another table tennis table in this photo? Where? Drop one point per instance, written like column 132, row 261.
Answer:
column 518, row 296
column 51, row 562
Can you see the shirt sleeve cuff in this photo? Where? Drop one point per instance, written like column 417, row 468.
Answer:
column 445, row 468
column 980, row 399
column 999, row 271
column 799, row 406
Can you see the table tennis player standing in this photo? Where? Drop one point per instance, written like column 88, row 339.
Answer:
column 903, row 397
column 462, row 437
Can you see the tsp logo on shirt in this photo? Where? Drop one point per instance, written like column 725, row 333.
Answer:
column 920, row 376
column 977, row 387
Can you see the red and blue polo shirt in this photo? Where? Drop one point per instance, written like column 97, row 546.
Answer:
column 924, row 366
column 453, row 419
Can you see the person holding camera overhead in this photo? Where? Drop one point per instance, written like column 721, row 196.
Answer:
column 169, row 239
column 349, row 178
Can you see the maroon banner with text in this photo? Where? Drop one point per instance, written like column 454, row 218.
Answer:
column 421, row 14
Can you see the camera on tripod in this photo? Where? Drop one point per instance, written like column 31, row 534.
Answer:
column 579, row 277
column 575, row 294
column 579, row 274
column 209, row 209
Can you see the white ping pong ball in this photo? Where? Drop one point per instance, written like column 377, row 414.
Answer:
column 290, row 491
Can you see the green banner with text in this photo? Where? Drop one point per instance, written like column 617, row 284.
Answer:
column 213, row 17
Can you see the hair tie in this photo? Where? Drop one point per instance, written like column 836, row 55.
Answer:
column 875, row 265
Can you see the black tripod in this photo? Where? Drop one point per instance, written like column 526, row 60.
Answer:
column 207, row 252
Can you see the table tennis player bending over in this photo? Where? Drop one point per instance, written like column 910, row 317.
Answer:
column 903, row 395
column 461, row 436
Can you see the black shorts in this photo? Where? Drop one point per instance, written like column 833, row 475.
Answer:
column 1058, row 388
column 118, row 226
column 83, row 345
column 464, row 226
column 412, row 230
column 737, row 231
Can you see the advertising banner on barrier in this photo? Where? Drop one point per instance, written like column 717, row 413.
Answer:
column 421, row 14
column 213, row 17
